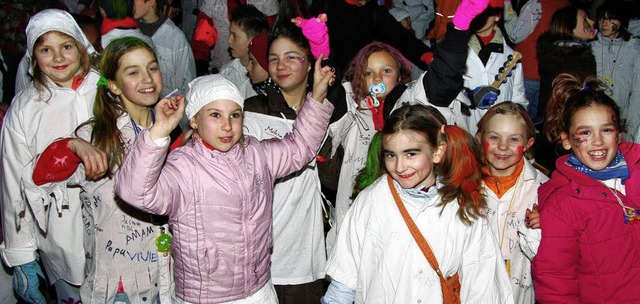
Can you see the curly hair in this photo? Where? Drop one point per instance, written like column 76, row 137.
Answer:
column 356, row 71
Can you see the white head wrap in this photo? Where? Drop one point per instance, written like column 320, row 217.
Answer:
column 208, row 88
column 54, row 20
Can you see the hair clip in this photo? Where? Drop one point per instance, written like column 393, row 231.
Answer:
column 102, row 82
column 442, row 129
column 585, row 88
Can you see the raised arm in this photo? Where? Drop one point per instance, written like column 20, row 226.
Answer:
column 143, row 180
column 299, row 147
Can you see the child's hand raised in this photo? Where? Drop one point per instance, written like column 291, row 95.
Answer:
column 323, row 77
column 532, row 217
column 168, row 113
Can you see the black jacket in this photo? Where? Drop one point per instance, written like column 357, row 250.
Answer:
column 561, row 56
column 352, row 27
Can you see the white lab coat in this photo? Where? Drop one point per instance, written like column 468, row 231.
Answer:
column 51, row 224
column 519, row 243
column 376, row 256
column 237, row 73
column 477, row 74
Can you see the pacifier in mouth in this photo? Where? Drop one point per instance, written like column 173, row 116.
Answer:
column 376, row 89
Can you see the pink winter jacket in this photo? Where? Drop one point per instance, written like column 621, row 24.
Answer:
column 219, row 204
column 587, row 253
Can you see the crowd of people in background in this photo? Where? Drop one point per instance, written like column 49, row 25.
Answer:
column 320, row 151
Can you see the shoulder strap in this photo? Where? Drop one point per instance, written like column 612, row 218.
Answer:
column 415, row 232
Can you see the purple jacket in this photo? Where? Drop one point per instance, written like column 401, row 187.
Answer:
column 587, row 253
column 219, row 204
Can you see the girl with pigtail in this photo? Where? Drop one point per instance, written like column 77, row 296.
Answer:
column 433, row 174
column 124, row 260
column 377, row 81
column 590, row 208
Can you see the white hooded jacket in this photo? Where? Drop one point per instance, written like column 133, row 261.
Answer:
column 33, row 220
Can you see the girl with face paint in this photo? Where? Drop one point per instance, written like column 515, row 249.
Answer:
column 617, row 57
column 506, row 133
column 590, row 208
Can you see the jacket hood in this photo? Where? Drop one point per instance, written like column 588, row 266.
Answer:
column 565, row 174
column 549, row 43
column 53, row 20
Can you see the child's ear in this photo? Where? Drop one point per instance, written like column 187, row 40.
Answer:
column 619, row 137
column 438, row 154
column 113, row 88
column 566, row 144
column 529, row 143
column 192, row 123
column 479, row 137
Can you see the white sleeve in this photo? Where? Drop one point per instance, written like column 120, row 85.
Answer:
column 520, row 27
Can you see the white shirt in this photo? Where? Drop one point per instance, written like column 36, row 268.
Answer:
column 299, row 254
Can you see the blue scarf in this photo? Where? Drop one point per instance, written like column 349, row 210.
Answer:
column 616, row 169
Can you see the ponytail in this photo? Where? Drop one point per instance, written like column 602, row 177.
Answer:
column 372, row 169
column 461, row 173
column 570, row 94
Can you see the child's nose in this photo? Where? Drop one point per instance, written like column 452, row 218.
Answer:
column 226, row 124
column 400, row 166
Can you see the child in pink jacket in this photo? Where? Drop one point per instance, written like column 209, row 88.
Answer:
column 218, row 189
column 590, row 208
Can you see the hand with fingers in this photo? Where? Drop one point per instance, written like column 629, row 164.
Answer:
column 323, row 77
column 94, row 160
column 168, row 112
column 532, row 217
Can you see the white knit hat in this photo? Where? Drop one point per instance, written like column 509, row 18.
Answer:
column 54, row 20
column 208, row 88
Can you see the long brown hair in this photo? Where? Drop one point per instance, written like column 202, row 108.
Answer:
column 107, row 107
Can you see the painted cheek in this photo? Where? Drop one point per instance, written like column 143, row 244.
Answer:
column 520, row 150
column 486, row 146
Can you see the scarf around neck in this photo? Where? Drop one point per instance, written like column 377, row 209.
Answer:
column 616, row 169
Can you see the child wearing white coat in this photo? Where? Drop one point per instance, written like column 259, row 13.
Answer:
column 511, row 184
column 61, row 96
column 436, row 171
